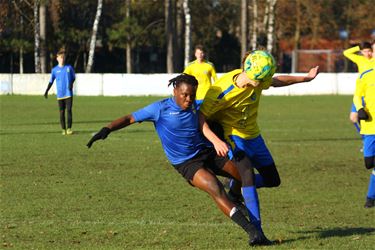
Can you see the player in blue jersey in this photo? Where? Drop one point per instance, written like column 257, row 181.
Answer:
column 65, row 77
column 179, row 128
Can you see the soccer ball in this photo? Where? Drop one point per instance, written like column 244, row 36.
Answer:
column 259, row 65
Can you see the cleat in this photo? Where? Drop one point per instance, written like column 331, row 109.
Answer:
column 69, row 131
column 259, row 239
column 63, row 132
column 370, row 203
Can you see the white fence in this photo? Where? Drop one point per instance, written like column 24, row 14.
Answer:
column 157, row 84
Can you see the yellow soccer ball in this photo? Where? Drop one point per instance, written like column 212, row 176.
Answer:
column 259, row 65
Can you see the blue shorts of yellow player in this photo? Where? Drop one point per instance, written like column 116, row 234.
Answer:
column 369, row 145
column 255, row 149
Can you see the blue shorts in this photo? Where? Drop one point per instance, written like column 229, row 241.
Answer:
column 369, row 145
column 255, row 149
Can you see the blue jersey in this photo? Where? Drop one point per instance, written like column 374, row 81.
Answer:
column 64, row 78
column 177, row 129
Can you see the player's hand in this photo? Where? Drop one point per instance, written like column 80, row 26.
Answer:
column 312, row 73
column 102, row 134
column 221, row 148
column 362, row 114
column 46, row 95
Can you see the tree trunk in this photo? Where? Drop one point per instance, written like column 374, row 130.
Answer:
column 270, row 29
column 254, row 25
column 36, row 37
column 180, row 19
column 243, row 27
column 169, row 34
column 297, row 32
column 187, row 32
column 128, row 43
column 90, row 61
column 42, row 25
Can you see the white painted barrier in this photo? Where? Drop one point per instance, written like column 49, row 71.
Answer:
column 157, row 84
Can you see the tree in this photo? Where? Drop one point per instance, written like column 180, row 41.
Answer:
column 170, row 33
column 187, row 32
column 270, row 24
column 243, row 26
column 36, row 37
column 42, row 29
column 90, row 61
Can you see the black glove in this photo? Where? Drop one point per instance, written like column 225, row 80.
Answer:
column 362, row 115
column 102, row 134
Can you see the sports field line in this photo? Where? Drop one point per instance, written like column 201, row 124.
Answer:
column 116, row 223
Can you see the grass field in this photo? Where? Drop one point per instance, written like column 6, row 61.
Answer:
column 123, row 194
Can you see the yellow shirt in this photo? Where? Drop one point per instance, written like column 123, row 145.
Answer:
column 203, row 72
column 362, row 62
column 235, row 108
column 366, row 89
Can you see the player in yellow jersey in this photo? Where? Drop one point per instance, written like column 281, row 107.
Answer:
column 364, row 101
column 203, row 70
column 363, row 61
column 233, row 102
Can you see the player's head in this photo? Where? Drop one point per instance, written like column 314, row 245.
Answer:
column 184, row 90
column 199, row 52
column 366, row 49
column 259, row 65
column 373, row 48
column 60, row 56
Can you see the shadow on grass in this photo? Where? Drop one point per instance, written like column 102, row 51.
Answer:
column 340, row 232
column 316, row 139
column 75, row 132
column 327, row 233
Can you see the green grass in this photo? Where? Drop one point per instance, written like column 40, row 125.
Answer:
column 123, row 194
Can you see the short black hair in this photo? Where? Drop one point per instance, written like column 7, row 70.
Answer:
column 183, row 78
column 365, row 45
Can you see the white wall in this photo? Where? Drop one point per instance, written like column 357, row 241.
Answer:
column 157, row 84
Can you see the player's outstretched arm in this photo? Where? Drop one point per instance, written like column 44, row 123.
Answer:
column 113, row 126
column 286, row 80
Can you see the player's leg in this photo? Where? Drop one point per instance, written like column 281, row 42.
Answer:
column 208, row 182
column 69, row 105
column 369, row 155
column 61, row 104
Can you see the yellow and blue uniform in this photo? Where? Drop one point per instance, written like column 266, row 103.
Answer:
column 236, row 109
column 366, row 89
column 204, row 72
column 362, row 62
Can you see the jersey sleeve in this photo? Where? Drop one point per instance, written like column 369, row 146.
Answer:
column 72, row 74
column 187, row 70
column 148, row 113
column 266, row 84
column 53, row 77
column 359, row 92
column 213, row 102
column 351, row 54
column 213, row 74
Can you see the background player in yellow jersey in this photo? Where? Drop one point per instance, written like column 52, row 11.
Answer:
column 364, row 101
column 203, row 70
column 362, row 56
column 233, row 102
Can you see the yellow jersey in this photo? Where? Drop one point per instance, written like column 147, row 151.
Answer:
column 366, row 89
column 362, row 62
column 203, row 72
column 235, row 108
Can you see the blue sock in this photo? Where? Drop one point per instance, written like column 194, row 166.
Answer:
column 259, row 182
column 250, row 196
column 371, row 186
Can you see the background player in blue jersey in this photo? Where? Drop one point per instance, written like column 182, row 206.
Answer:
column 65, row 77
column 177, row 123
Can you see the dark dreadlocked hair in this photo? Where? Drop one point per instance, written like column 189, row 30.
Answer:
column 183, row 78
